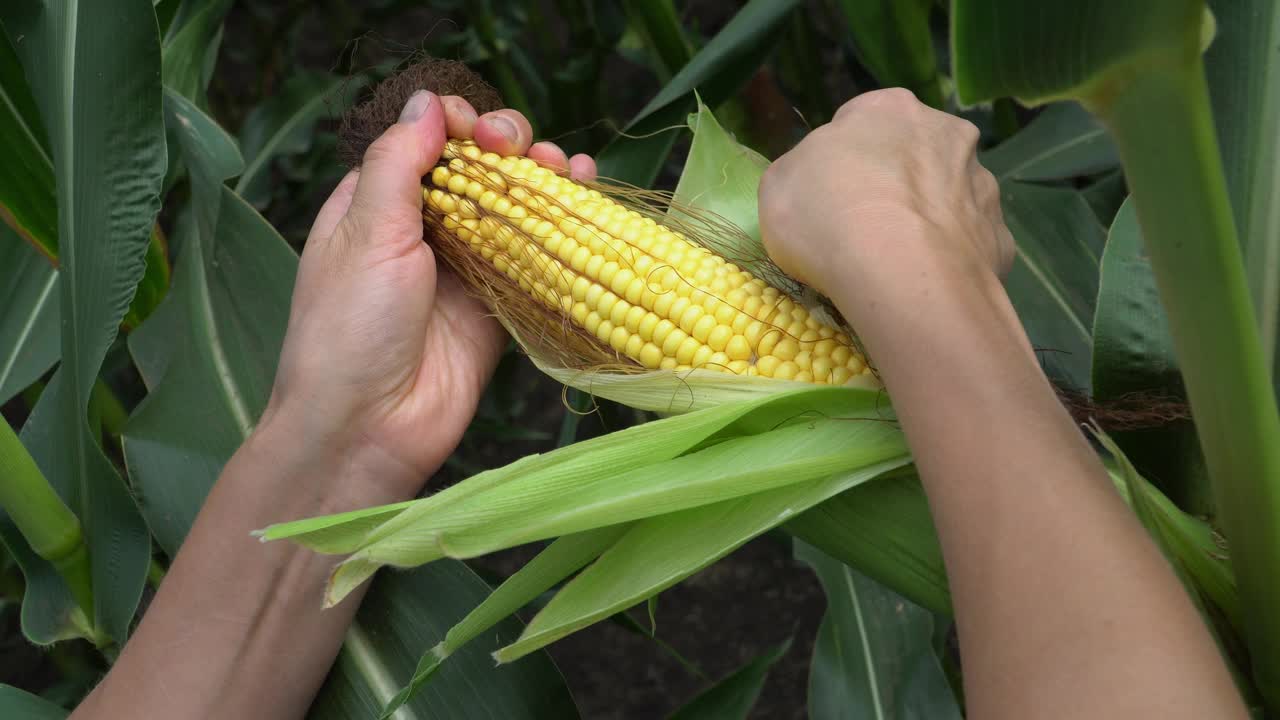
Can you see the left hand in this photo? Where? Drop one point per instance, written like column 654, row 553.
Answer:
column 386, row 356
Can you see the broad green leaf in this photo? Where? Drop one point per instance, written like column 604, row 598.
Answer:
column 15, row 703
column 1243, row 65
column 402, row 617
column 1039, row 52
column 733, row 696
column 208, row 357
column 28, row 200
column 658, row 552
column 895, row 44
column 658, row 23
column 1054, row 280
column 283, row 125
column 208, row 354
column 719, row 69
column 558, row 561
column 884, row 529
column 1133, row 356
column 94, row 72
column 874, row 654
column 191, row 47
column 1062, row 142
column 28, row 314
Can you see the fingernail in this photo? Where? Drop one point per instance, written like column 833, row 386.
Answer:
column 416, row 106
column 506, row 127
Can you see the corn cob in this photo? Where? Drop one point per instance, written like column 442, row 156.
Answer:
column 646, row 291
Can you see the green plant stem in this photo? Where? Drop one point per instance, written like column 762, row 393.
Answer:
column 49, row 526
column 659, row 25
column 1164, row 129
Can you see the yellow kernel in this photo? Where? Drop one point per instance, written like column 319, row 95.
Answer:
column 678, row 306
column 840, row 375
column 594, row 264
column 662, row 305
column 767, row 365
column 785, row 370
column 667, row 363
column 604, row 331
column 592, row 298
column 719, row 337
column 646, row 326
column 841, row 355
column 605, row 304
column 579, row 259
column 823, row 348
column 803, row 360
column 738, row 348
column 768, row 340
column 740, row 323
column 634, row 292
column 622, row 280
column 804, row 376
column 650, row 356
column 809, row 336
column 580, row 287
column 634, row 343
column 661, row 331
column 701, row 355
column 673, row 341
column 718, row 360
column 786, row 348
column 725, row 314
column 634, row 315
column 457, row 184
column 607, row 271
column 739, row 367
column 821, row 368
column 618, row 315
column 592, row 323
column 690, row 317
column 687, row 350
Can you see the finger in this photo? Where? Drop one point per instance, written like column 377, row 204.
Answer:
column 549, row 155
column 334, row 208
column 459, row 116
column 582, row 167
column 387, row 203
column 505, row 132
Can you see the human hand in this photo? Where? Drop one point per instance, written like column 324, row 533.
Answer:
column 886, row 191
column 386, row 357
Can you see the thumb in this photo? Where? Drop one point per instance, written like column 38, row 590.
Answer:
column 386, row 206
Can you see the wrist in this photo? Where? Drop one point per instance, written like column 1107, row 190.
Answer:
column 325, row 468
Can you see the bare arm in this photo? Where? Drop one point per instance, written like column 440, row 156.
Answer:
column 1064, row 607
column 381, row 370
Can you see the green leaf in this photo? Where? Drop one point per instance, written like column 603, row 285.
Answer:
column 660, row 551
column 722, row 176
column 658, row 23
column 208, row 357
column 284, row 123
column 723, row 65
column 558, row 561
column 1133, row 356
column 1038, row 52
column 1062, row 142
column 29, row 295
column 402, row 617
column 884, row 529
column 15, row 703
column 1243, row 65
column 895, row 44
column 874, row 654
column 28, row 200
column 732, row 697
column 94, row 71
column 1054, row 280
column 191, row 47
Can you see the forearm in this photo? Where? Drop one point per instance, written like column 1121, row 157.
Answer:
column 237, row 629
column 1061, row 600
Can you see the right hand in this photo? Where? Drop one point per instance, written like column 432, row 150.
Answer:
column 887, row 192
